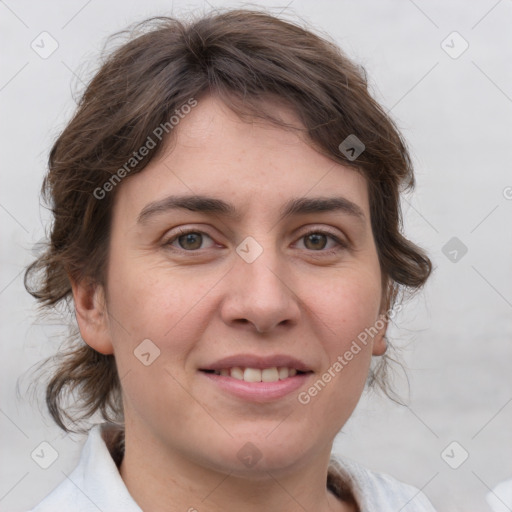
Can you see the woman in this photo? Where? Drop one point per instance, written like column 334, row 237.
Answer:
column 227, row 229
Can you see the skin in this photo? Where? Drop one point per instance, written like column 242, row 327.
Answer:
column 183, row 432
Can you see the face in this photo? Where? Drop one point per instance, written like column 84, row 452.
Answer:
column 246, row 261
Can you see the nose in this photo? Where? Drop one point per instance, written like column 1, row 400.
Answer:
column 259, row 295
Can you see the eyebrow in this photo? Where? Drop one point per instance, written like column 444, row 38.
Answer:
column 296, row 206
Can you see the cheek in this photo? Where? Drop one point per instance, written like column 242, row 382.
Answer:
column 153, row 301
column 344, row 311
column 334, row 393
column 347, row 302
column 146, row 304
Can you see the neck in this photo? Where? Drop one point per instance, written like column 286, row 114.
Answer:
column 154, row 476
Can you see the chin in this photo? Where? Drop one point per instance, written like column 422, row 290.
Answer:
column 256, row 456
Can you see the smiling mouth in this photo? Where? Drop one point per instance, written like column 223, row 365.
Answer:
column 273, row 374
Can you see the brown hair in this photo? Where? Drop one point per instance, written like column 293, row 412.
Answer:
column 244, row 57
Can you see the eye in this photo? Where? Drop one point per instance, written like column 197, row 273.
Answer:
column 321, row 240
column 189, row 240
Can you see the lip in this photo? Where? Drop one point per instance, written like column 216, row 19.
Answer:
column 259, row 362
column 258, row 391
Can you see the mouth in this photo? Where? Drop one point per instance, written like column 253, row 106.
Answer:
column 258, row 379
column 247, row 374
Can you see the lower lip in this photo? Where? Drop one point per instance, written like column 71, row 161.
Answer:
column 258, row 391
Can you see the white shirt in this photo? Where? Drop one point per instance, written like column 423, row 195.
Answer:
column 96, row 485
column 500, row 498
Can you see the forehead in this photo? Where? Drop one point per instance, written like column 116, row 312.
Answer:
column 249, row 162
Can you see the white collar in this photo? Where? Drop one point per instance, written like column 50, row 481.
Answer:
column 95, row 484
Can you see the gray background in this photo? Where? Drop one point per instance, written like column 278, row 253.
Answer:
column 456, row 114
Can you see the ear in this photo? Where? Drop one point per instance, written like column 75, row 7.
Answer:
column 379, row 340
column 92, row 316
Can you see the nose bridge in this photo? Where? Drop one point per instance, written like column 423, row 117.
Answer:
column 258, row 291
column 259, row 267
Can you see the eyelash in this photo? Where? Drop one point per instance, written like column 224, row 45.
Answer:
column 341, row 244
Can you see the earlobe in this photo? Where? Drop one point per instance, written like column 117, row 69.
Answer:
column 92, row 316
column 380, row 344
column 379, row 341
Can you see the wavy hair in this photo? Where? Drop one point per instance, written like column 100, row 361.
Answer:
column 244, row 57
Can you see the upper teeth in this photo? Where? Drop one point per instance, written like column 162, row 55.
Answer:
column 256, row 375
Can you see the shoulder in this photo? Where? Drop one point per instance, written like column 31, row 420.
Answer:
column 375, row 491
column 95, row 484
column 61, row 498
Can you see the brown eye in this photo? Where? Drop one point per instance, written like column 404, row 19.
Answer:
column 190, row 241
column 315, row 241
